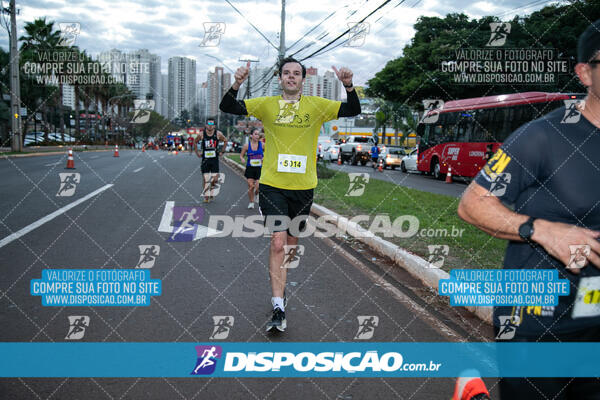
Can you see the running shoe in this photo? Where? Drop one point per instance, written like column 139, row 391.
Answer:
column 250, row 205
column 470, row 388
column 277, row 321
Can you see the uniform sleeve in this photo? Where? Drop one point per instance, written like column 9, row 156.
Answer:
column 255, row 106
column 326, row 109
column 518, row 163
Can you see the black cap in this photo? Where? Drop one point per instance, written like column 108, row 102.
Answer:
column 589, row 43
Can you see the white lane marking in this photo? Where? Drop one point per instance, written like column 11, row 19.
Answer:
column 138, row 170
column 50, row 217
column 94, row 157
column 52, row 165
column 402, row 297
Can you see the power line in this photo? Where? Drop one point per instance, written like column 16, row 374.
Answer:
column 345, row 32
column 323, row 35
column 312, row 29
column 252, row 25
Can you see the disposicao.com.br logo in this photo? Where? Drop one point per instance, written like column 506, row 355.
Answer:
column 288, row 363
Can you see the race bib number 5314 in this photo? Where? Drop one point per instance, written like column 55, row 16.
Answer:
column 291, row 163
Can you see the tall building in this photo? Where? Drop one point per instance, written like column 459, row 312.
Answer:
column 139, row 70
column 68, row 93
column 218, row 83
column 202, row 96
column 313, row 83
column 263, row 83
column 331, row 86
column 164, row 95
column 182, row 85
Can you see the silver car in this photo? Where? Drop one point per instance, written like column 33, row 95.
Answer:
column 331, row 154
column 409, row 162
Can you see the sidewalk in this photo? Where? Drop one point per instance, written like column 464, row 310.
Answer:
column 34, row 151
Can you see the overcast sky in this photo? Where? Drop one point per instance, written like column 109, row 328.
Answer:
column 176, row 28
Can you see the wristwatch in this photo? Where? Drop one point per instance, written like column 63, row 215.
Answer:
column 526, row 229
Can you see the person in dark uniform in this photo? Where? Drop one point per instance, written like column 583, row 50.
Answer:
column 551, row 179
column 254, row 149
column 207, row 149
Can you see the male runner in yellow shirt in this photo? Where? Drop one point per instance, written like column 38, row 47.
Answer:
column 289, row 174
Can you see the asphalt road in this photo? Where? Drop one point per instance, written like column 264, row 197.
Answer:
column 413, row 180
column 334, row 284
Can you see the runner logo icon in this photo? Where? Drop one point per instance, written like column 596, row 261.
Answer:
column 148, row 254
column 366, row 326
column 223, row 324
column 499, row 184
column 358, row 183
column 143, row 109
column 357, row 33
column 508, row 327
column 430, row 105
column 292, row 255
column 437, row 254
column 185, row 220
column 500, row 31
column 579, row 255
column 68, row 33
column 572, row 111
column 68, row 183
column 77, row 325
column 212, row 34
column 207, row 359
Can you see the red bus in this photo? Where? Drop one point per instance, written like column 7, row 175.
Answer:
column 464, row 130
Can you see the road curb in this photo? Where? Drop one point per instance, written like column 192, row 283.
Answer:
column 50, row 153
column 413, row 264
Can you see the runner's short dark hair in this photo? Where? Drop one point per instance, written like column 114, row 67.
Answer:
column 589, row 43
column 291, row 60
column 210, row 119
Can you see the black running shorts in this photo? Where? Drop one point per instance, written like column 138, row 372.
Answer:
column 275, row 202
column 210, row 165
column 252, row 173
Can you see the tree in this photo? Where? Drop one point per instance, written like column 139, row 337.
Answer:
column 416, row 75
column 39, row 37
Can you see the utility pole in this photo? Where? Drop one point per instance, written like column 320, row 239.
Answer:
column 248, row 92
column 282, row 33
column 15, row 91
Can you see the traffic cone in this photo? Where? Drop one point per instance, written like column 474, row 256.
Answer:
column 143, row 149
column 380, row 166
column 449, row 175
column 339, row 159
column 116, row 151
column 70, row 162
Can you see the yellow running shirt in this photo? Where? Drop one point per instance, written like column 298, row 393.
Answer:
column 291, row 135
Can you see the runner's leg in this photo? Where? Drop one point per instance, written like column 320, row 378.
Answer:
column 206, row 185
column 276, row 256
column 252, row 185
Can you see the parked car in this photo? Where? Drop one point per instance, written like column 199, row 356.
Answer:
column 356, row 149
column 58, row 137
column 324, row 142
column 332, row 153
column 409, row 162
column 391, row 156
column 33, row 138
